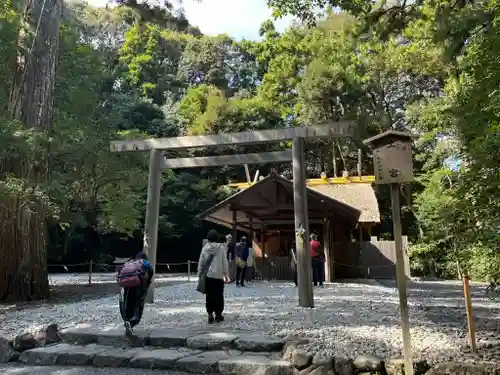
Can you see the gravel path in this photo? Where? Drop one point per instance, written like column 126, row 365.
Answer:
column 349, row 318
column 69, row 288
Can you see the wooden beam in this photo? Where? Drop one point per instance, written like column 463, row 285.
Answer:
column 289, row 222
column 320, row 181
column 214, row 161
column 272, row 208
column 334, row 129
column 286, row 215
column 247, row 173
column 252, row 207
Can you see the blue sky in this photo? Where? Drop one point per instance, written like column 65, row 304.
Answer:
column 237, row 18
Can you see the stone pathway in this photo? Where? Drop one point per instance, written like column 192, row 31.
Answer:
column 194, row 351
column 19, row 369
column 349, row 319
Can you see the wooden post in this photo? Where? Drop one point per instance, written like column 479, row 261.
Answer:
column 401, row 278
column 234, row 233
column 235, row 227
column 267, row 262
column 304, row 270
column 361, row 271
column 189, row 271
column 90, row 272
column 326, row 247
column 250, row 233
column 470, row 314
column 247, row 174
column 263, row 239
column 152, row 212
column 334, row 157
column 360, row 156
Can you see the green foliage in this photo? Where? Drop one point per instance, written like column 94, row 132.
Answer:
column 190, row 196
column 429, row 67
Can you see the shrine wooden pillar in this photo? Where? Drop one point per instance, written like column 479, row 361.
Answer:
column 235, row 227
column 326, row 247
column 264, row 254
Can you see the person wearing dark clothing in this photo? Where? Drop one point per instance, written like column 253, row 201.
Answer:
column 213, row 261
column 241, row 253
column 132, row 300
column 317, row 261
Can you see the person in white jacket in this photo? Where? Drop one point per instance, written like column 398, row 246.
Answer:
column 217, row 275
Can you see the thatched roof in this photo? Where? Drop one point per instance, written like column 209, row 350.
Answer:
column 260, row 203
column 358, row 195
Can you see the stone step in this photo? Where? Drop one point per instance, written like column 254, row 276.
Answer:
column 172, row 337
column 225, row 362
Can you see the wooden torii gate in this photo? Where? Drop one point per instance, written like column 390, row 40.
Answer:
column 297, row 135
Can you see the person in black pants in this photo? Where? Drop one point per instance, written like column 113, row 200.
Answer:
column 132, row 300
column 317, row 261
column 214, row 302
column 242, row 253
column 213, row 259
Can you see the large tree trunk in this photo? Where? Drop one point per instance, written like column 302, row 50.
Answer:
column 23, row 230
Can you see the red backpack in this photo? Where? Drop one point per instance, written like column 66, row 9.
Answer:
column 131, row 275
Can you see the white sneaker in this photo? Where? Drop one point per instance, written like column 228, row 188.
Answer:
column 128, row 329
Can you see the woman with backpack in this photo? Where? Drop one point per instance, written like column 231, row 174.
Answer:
column 135, row 278
column 213, row 272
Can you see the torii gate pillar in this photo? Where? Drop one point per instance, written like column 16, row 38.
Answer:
column 152, row 212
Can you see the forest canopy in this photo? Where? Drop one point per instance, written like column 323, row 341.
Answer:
column 132, row 70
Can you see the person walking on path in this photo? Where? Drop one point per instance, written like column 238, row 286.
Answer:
column 230, row 245
column 213, row 259
column 317, row 261
column 241, row 261
column 134, row 277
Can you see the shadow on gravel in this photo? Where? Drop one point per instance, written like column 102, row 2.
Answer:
column 444, row 303
column 70, row 293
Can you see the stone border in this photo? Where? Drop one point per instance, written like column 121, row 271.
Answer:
column 308, row 364
column 10, row 350
column 226, row 362
column 202, row 351
column 169, row 338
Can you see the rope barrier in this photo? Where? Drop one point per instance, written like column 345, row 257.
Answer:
column 364, row 266
column 107, row 267
column 176, row 264
column 115, row 265
column 67, row 265
column 273, row 264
